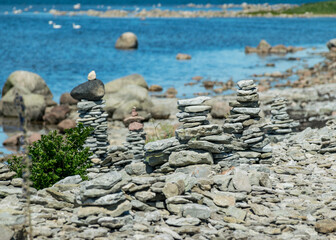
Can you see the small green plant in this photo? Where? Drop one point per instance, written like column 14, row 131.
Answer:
column 16, row 164
column 55, row 157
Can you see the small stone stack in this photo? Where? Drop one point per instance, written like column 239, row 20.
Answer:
column 193, row 112
column 92, row 114
column 250, row 144
column 136, row 137
column 281, row 124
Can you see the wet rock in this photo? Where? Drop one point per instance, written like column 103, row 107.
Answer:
column 127, row 40
column 183, row 56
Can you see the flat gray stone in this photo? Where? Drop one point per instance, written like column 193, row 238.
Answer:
column 192, row 101
column 194, row 109
column 105, row 181
column 196, row 211
column 185, row 158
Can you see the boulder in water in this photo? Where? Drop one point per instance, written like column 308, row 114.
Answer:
column 331, row 44
column 127, row 40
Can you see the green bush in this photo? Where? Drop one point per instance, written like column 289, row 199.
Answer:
column 55, row 157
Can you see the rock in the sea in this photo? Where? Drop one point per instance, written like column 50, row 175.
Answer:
column 155, row 88
column 263, row 46
column 127, row 40
column 91, row 90
column 331, row 44
column 13, row 140
column 183, row 56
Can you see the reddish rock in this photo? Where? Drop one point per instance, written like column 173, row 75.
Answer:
column 56, row 114
column 34, row 137
column 171, row 92
column 279, row 49
column 13, row 140
column 208, row 84
column 155, row 88
column 135, row 126
column 66, row 124
column 183, row 56
column 66, row 99
column 197, row 78
column 250, row 49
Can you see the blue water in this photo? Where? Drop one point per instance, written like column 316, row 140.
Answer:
column 64, row 57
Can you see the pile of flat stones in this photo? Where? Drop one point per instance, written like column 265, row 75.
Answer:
column 251, row 145
column 136, row 137
column 92, row 114
column 281, row 124
column 196, row 141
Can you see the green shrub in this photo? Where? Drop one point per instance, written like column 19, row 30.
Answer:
column 55, row 157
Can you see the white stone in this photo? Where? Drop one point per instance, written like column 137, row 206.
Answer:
column 92, row 76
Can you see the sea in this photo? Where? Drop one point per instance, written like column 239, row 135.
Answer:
column 63, row 57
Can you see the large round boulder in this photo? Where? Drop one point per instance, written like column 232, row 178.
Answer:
column 29, row 81
column 117, row 84
column 127, row 40
column 119, row 104
column 35, row 104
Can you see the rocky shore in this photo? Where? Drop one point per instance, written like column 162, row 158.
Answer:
column 189, row 193
column 226, row 10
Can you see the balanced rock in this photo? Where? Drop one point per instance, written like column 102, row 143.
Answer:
column 91, row 90
column 127, row 40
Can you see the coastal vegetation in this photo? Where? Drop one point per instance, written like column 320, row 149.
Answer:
column 318, row 8
column 55, row 157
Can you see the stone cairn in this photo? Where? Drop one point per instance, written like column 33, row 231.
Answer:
column 92, row 114
column 281, row 124
column 196, row 141
column 250, row 144
column 136, row 137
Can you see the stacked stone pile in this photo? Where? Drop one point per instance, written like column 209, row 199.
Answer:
column 196, row 200
column 196, row 139
column 250, row 144
column 92, row 114
column 328, row 138
column 281, row 124
column 136, row 137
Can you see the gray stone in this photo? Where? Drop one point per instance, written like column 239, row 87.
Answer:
column 6, row 233
column 192, row 101
column 115, row 223
column 161, row 145
column 179, row 222
column 200, row 131
column 185, row 158
column 245, row 83
column 241, row 181
column 205, row 145
column 196, row 211
column 105, row 181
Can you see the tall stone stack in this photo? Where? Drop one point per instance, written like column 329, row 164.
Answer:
column 92, row 114
column 136, row 137
column 250, row 145
column 281, row 124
